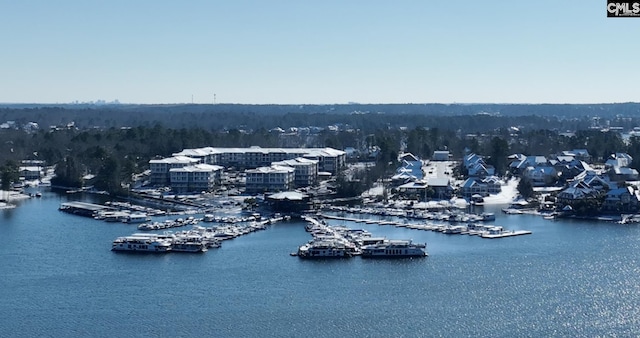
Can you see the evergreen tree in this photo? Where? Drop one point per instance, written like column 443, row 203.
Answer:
column 9, row 174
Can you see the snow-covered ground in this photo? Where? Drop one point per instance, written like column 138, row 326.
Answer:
column 508, row 193
column 12, row 195
column 506, row 196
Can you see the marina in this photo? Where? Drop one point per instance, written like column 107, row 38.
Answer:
column 197, row 239
column 475, row 229
column 546, row 284
column 343, row 242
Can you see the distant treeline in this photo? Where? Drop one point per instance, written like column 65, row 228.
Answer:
column 114, row 154
column 464, row 118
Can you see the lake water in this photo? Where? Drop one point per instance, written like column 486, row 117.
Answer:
column 569, row 278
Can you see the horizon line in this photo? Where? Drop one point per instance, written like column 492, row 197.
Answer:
column 310, row 104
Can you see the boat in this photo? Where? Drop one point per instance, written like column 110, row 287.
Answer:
column 394, row 248
column 137, row 218
column 188, row 245
column 113, row 216
column 139, row 243
column 454, row 230
column 5, row 205
column 488, row 216
column 327, row 248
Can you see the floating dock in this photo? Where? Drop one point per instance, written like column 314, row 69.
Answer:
column 83, row 208
column 483, row 231
column 507, row 233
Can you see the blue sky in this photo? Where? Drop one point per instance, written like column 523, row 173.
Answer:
column 317, row 52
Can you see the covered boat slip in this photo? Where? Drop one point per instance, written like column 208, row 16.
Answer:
column 83, row 208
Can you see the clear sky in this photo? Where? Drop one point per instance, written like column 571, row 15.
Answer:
column 317, row 52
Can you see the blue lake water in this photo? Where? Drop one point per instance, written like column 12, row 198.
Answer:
column 58, row 278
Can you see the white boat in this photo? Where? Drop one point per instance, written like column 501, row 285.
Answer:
column 137, row 218
column 394, row 248
column 454, row 230
column 488, row 216
column 327, row 248
column 188, row 245
column 4, row 205
column 113, row 216
column 141, row 244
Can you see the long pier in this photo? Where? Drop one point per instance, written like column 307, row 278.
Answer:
column 483, row 231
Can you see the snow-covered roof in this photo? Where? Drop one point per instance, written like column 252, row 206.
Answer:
column 288, row 195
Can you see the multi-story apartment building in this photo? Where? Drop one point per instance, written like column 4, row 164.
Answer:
column 195, row 178
column 160, row 168
column 273, row 178
column 329, row 159
column 306, row 170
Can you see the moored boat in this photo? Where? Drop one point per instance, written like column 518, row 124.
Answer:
column 141, row 244
column 185, row 245
column 327, row 248
column 137, row 218
column 394, row 249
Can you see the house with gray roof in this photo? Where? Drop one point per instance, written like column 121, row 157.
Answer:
column 483, row 187
column 623, row 199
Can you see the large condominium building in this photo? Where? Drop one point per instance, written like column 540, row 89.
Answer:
column 195, row 178
column 273, row 178
column 306, row 170
column 329, row 159
column 160, row 168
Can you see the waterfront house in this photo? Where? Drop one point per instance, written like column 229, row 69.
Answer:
column 493, row 183
column 473, row 186
column 30, row 173
column 623, row 199
column 576, row 192
column 480, row 186
column 441, row 187
column 414, row 189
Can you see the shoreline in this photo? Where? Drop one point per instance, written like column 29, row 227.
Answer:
column 10, row 195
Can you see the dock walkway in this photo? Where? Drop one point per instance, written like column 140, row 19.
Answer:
column 483, row 231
